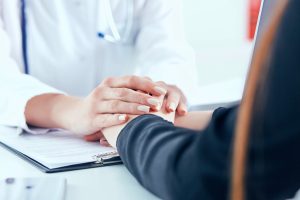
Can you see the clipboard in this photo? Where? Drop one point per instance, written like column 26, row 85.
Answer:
column 101, row 160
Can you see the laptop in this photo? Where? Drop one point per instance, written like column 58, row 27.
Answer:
column 265, row 16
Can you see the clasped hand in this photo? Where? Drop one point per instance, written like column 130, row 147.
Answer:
column 117, row 100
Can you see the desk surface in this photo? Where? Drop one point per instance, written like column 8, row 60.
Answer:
column 113, row 182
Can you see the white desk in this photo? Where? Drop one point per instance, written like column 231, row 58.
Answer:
column 113, row 182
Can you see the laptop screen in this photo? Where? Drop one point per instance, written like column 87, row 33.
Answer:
column 265, row 16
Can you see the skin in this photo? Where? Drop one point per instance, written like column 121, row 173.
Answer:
column 193, row 120
column 107, row 105
column 111, row 134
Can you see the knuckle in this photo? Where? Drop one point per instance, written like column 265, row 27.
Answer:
column 141, row 99
column 107, row 81
column 132, row 80
column 97, row 92
column 162, row 83
column 132, row 108
column 172, row 86
column 94, row 93
column 174, row 96
column 148, row 78
column 176, row 88
column 113, row 105
column 121, row 93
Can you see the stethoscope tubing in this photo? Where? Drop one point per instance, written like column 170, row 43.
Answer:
column 116, row 36
column 24, row 36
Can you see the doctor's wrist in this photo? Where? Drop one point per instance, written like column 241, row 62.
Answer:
column 66, row 112
column 48, row 110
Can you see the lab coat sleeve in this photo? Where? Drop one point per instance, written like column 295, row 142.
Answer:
column 163, row 52
column 16, row 88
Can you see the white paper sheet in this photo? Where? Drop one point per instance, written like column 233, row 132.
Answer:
column 55, row 149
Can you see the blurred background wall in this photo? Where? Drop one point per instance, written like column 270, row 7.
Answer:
column 217, row 29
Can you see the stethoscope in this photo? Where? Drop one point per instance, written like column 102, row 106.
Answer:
column 115, row 37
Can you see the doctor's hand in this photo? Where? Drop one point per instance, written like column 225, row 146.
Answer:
column 115, row 98
column 175, row 99
column 106, row 106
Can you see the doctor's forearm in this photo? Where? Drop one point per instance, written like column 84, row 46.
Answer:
column 107, row 105
column 50, row 110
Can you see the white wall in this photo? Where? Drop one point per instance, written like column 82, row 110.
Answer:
column 217, row 29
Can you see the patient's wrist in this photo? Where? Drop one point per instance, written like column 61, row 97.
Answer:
column 111, row 133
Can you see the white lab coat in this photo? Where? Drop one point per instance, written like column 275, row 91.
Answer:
column 66, row 56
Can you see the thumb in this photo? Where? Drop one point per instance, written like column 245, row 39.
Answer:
column 93, row 137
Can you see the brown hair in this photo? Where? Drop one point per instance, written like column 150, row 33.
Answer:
column 257, row 73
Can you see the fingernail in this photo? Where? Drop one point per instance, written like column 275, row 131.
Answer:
column 183, row 111
column 122, row 117
column 160, row 90
column 154, row 102
column 145, row 109
column 104, row 142
column 172, row 106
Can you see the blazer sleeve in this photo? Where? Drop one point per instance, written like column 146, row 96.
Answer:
column 177, row 163
column 275, row 135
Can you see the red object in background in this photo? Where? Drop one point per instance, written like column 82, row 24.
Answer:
column 254, row 8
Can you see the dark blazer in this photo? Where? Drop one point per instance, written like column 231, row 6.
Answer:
column 177, row 163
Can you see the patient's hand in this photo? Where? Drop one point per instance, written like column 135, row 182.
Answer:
column 98, row 136
column 111, row 134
